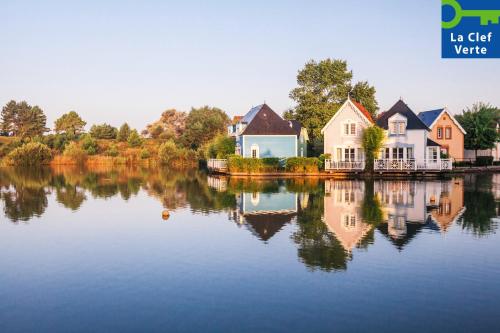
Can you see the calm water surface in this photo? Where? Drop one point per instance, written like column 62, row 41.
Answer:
column 88, row 251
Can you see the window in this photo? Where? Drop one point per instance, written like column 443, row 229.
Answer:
column 397, row 153
column 440, row 132
column 387, row 153
column 409, row 153
column 349, row 154
column 353, row 129
column 447, row 133
column 397, row 127
column 433, row 153
column 349, row 128
column 255, row 151
column 339, row 154
column 346, row 129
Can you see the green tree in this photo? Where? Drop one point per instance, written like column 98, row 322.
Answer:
column 480, row 123
column 124, row 132
column 89, row 144
column 23, row 120
column 372, row 141
column 363, row 93
column 202, row 125
column 322, row 88
column 220, row 147
column 70, row 123
column 103, row 131
column 134, row 140
column 167, row 152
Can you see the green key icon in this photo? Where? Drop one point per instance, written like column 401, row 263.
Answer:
column 486, row 16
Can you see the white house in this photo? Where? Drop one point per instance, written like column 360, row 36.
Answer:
column 407, row 146
column 343, row 137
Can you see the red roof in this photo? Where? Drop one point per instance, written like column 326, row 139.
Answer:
column 363, row 110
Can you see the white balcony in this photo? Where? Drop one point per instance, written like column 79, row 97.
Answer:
column 331, row 165
column 382, row 165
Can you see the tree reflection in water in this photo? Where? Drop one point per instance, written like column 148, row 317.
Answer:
column 331, row 218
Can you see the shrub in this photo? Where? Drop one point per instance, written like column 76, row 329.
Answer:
column 237, row 163
column 220, row 147
column 484, row 160
column 5, row 149
column 56, row 141
column 322, row 159
column 134, row 140
column 74, row 152
column 112, row 151
column 145, row 154
column 302, row 164
column 89, row 144
column 167, row 152
column 33, row 153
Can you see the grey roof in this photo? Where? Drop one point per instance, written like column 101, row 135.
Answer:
column 428, row 117
column 431, row 143
column 264, row 121
column 413, row 121
column 248, row 117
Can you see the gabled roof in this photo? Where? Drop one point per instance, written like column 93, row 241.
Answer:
column 413, row 121
column 430, row 118
column 357, row 106
column 262, row 120
column 265, row 226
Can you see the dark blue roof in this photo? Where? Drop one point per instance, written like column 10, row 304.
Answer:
column 428, row 117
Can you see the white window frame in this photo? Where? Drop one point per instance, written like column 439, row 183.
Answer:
column 348, row 124
column 254, row 147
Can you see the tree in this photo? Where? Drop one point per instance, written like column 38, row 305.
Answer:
column 134, row 140
column 171, row 122
column 23, row 120
column 70, row 123
column 372, row 141
column 480, row 124
column 363, row 93
column 322, row 88
column 103, row 131
column 123, row 132
column 202, row 125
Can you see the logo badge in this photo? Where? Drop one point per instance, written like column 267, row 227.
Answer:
column 470, row 28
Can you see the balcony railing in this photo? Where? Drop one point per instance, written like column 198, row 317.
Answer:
column 217, row 164
column 412, row 165
column 344, row 165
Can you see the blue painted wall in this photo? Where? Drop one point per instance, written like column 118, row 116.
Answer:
column 268, row 202
column 271, row 145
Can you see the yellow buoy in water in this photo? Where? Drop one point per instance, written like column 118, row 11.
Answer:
column 165, row 214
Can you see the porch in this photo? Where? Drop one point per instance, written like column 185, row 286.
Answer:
column 409, row 165
column 345, row 166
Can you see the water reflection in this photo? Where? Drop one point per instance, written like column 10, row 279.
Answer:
column 329, row 220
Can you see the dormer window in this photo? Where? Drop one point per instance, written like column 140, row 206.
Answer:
column 397, row 127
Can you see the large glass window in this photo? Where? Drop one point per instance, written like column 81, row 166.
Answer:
column 349, row 154
column 409, row 153
column 397, row 153
column 397, row 127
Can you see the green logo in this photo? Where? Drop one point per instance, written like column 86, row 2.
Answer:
column 486, row 16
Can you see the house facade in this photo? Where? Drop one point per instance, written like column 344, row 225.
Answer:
column 407, row 145
column 446, row 131
column 263, row 133
column 343, row 136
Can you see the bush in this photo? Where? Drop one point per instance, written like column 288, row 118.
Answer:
column 112, row 151
column 134, row 140
column 56, row 141
column 33, row 153
column 322, row 159
column 74, row 152
column 89, row 144
column 5, row 149
column 237, row 163
column 145, row 154
column 220, row 147
column 484, row 160
column 167, row 152
column 302, row 164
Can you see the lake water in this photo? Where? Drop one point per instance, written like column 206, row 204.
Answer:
column 89, row 251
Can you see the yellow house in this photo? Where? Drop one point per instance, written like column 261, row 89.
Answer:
column 446, row 131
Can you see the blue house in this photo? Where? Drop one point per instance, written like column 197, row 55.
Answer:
column 263, row 133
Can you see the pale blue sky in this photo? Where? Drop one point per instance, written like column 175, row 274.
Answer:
column 113, row 61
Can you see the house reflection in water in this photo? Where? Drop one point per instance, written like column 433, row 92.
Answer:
column 342, row 212
column 410, row 206
column 264, row 214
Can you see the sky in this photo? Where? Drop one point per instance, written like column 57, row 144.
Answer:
column 116, row 61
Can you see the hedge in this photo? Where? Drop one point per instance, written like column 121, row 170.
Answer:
column 302, row 164
column 236, row 163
